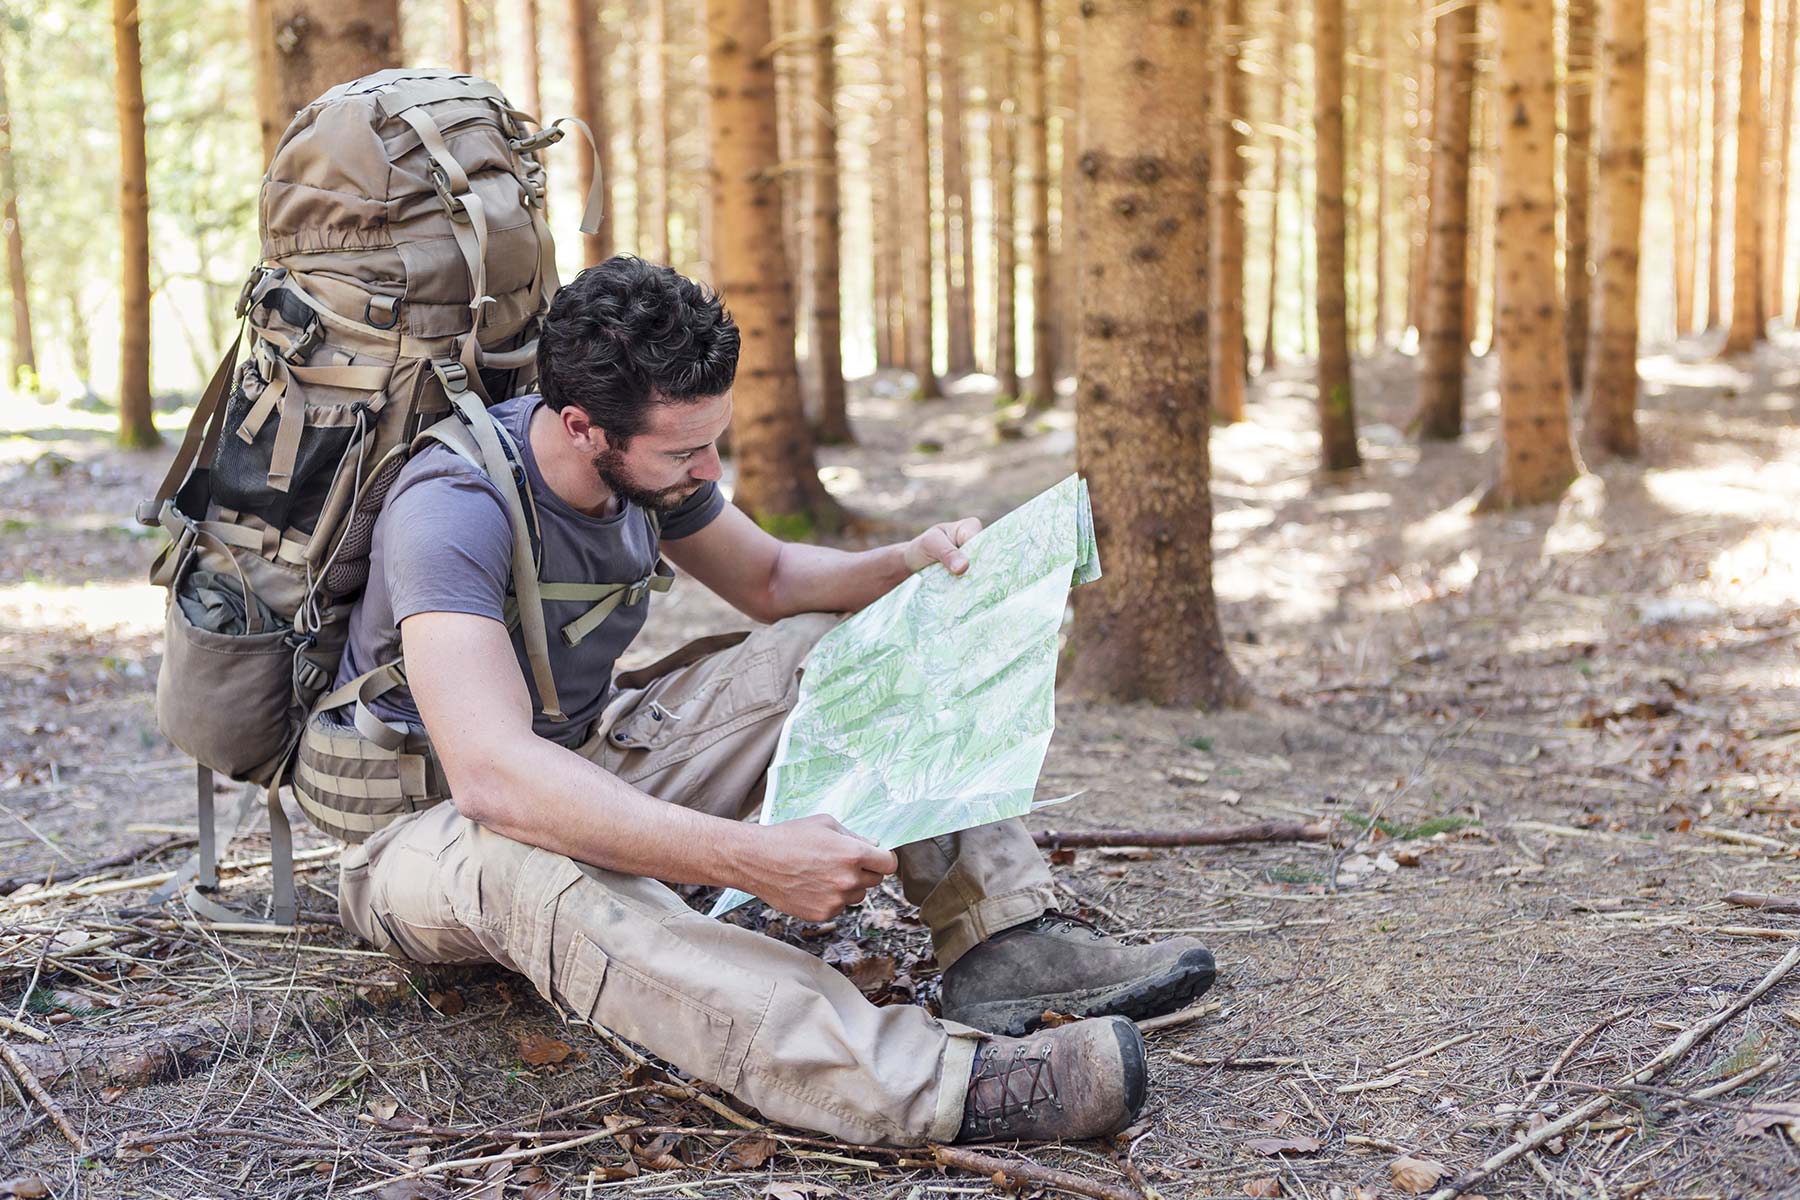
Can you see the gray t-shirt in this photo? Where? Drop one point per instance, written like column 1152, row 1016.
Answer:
column 443, row 543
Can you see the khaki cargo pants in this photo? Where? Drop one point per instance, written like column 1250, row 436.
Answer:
column 767, row 1022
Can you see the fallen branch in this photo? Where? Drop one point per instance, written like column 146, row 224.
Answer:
column 485, row 1160
column 1181, row 1017
column 1006, row 1172
column 13, row 883
column 1780, row 904
column 1210, row 835
column 1242, row 1064
column 1673, row 1053
column 32, row 1084
column 1562, row 1060
column 138, row 1059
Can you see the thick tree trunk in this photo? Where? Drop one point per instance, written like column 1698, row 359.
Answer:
column 1379, row 77
column 271, row 116
column 1537, row 455
column 1337, row 404
column 1715, row 258
column 1226, row 352
column 321, row 43
column 826, row 334
column 1003, row 141
column 532, row 94
column 921, row 307
column 1068, row 217
column 959, row 312
column 1784, row 89
column 1444, row 336
column 459, row 35
column 1149, row 628
column 587, row 76
column 1278, row 161
column 1035, row 121
column 653, row 174
column 1678, row 118
column 1419, row 168
column 136, row 426
column 24, row 354
column 1611, row 421
column 777, row 475
column 1578, row 102
column 1745, row 331
column 890, row 220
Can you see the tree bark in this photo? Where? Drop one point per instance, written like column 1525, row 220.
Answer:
column 655, row 179
column 1611, row 421
column 459, row 35
column 1378, row 76
column 889, row 219
column 1784, row 84
column 137, row 427
column 587, row 76
column 1678, row 118
column 1715, row 259
column 1578, row 166
column 777, row 475
column 921, row 306
column 24, row 353
column 826, row 334
column 533, row 95
column 1745, row 331
column 1537, row 455
column 959, row 318
column 1035, row 120
column 1419, row 167
column 1444, row 336
column 1003, row 141
column 1226, row 353
column 1337, row 403
column 271, row 117
column 319, row 44
column 1277, row 181
column 1149, row 628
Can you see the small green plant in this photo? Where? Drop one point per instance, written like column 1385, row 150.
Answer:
column 1583, row 665
column 1201, row 743
column 1410, row 833
column 1292, row 875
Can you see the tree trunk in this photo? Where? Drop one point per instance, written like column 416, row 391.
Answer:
column 1744, row 332
column 136, row 427
column 1611, row 421
column 1067, row 256
column 1537, row 456
column 653, row 177
column 921, row 307
column 1715, row 259
column 1226, row 351
column 1379, row 77
column 1678, row 119
column 1149, row 628
column 271, row 117
column 1003, row 141
column 777, row 475
column 587, row 75
column 1419, row 169
column 1782, row 105
column 532, row 96
column 890, row 221
column 1034, row 117
column 24, row 354
column 826, row 335
column 1697, row 136
column 1444, row 336
column 1337, row 403
column 959, row 315
column 1278, row 156
column 1578, row 100
column 459, row 36
column 319, row 44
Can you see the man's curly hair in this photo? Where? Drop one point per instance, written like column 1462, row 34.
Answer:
column 627, row 334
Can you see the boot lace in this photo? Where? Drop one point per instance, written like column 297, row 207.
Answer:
column 1009, row 1085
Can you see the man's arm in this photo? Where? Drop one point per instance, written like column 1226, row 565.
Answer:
column 769, row 579
column 466, row 681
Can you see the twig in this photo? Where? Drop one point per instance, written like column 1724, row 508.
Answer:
column 680, row 1091
column 21, row 1028
column 1002, row 1170
column 1375, row 1143
column 13, row 883
column 1780, row 904
column 1242, row 1064
column 1209, row 835
column 32, row 1085
column 1739, row 1080
column 1562, row 1060
column 1754, row 931
column 1428, row 1051
column 485, row 1160
column 1176, row 1019
column 128, row 1141
column 1369, row 1085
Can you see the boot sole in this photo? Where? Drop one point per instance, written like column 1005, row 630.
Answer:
column 1192, row 974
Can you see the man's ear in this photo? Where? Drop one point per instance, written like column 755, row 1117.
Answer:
column 581, row 430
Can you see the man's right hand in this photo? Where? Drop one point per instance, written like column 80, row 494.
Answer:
column 813, row 868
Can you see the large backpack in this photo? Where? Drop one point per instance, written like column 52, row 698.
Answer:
column 406, row 268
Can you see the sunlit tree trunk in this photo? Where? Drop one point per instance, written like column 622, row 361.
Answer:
column 532, row 94
column 1271, row 357
column 921, row 307
column 1003, row 140
column 1067, row 228
column 24, row 354
column 1715, row 258
column 959, row 312
column 1696, row 141
column 1337, row 405
column 826, row 336
column 1444, row 338
column 1149, row 628
column 1678, row 119
column 1227, row 226
column 1537, row 455
column 777, row 475
column 1744, row 331
column 587, row 75
column 1035, row 124
column 136, row 427
column 271, row 117
column 459, row 35
column 1380, row 79
column 653, row 173
column 890, row 220
column 318, row 44
column 1578, row 124
column 1611, row 420
column 1418, row 129
column 1782, row 106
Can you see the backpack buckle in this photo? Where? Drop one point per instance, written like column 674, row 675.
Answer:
column 549, row 135
column 636, row 592
column 452, row 374
column 452, row 205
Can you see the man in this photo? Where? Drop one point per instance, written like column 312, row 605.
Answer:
column 548, row 861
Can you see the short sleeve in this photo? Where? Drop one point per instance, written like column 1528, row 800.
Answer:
column 693, row 514
column 446, row 544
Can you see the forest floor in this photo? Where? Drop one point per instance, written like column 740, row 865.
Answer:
column 1550, row 741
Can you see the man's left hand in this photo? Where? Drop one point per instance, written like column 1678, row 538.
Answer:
column 942, row 544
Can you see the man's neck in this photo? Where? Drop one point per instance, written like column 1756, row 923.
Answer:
column 570, row 476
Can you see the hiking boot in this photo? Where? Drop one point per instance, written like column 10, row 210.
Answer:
column 1063, row 964
column 1082, row 1080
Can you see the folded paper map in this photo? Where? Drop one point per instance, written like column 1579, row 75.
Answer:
column 930, row 711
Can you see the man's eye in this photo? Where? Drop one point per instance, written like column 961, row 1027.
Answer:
column 683, row 457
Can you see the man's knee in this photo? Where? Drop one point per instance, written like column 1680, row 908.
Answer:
column 794, row 637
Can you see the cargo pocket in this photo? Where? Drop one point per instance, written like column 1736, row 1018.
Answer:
column 692, row 714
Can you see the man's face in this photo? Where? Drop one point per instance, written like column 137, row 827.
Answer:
column 672, row 458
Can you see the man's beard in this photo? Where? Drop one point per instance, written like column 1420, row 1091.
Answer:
column 609, row 465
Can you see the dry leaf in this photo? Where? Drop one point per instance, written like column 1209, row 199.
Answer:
column 1055, row 1020
column 447, row 1003
column 1363, row 1193
column 798, row 1191
column 1272, row 1146
column 1764, row 1117
column 410, row 1189
column 1262, row 1187
column 751, row 1153
column 543, row 1189
column 541, row 1051
column 1416, row 1175
column 383, row 1109
column 25, row 1187
column 1126, row 853
column 111, row 1094
column 1062, row 857
column 871, row 973
column 155, row 999
column 1555, row 1145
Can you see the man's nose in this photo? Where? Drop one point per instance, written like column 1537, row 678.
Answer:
column 707, row 468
